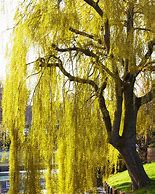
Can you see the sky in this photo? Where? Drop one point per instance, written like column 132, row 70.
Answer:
column 7, row 11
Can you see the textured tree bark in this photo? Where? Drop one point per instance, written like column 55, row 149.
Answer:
column 134, row 165
column 126, row 144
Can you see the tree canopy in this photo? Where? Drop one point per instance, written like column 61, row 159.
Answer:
column 88, row 58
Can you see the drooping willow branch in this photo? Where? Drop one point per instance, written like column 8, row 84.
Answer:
column 33, row 74
column 89, row 53
column 71, row 77
column 98, row 90
column 39, row 80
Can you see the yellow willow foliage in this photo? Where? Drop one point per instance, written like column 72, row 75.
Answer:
column 82, row 145
column 111, row 161
column 43, row 133
column 31, row 178
column 145, row 121
column 67, row 142
column 126, row 45
column 14, row 107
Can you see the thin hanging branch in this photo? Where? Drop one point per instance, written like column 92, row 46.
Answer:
column 33, row 74
column 99, row 91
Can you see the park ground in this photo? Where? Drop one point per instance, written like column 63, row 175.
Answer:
column 121, row 181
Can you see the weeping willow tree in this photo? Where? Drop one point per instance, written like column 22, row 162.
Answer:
column 89, row 56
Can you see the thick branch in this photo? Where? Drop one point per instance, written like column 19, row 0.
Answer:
column 95, row 6
column 87, row 52
column 74, row 78
column 130, row 15
column 107, row 35
column 118, row 111
column 81, row 33
column 85, row 34
column 150, row 63
column 104, row 110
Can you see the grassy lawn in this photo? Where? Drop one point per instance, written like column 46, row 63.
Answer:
column 122, row 181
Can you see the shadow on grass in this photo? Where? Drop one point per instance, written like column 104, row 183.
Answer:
column 124, row 186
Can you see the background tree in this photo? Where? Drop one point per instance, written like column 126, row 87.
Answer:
column 88, row 57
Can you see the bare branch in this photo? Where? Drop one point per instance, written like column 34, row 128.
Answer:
column 33, row 74
column 39, row 80
column 81, row 33
column 99, row 91
column 130, row 15
column 150, row 63
column 95, row 6
column 33, row 61
column 93, row 95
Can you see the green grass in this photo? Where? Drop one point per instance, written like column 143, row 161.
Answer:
column 121, row 181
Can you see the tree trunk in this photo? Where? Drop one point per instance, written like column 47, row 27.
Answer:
column 134, row 165
column 126, row 143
